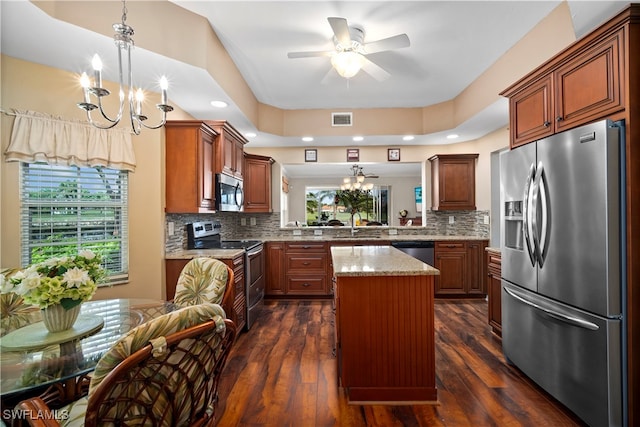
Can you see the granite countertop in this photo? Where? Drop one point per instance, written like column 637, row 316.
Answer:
column 492, row 249
column 377, row 261
column 211, row 253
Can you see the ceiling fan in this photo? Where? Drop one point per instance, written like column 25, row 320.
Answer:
column 350, row 54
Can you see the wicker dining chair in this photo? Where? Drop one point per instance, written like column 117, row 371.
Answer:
column 203, row 280
column 162, row 373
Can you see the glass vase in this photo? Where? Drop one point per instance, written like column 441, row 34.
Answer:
column 56, row 318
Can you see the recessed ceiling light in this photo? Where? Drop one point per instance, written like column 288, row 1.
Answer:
column 453, row 136
column 250, row 134
column 408, row 138
column 219, row 104
column 307, row 138
column 358, row 138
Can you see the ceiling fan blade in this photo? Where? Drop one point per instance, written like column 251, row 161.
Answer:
column 308, row 54
column 374, row 70
column 395, row 42
column 341, row 30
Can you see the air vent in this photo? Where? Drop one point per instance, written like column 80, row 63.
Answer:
column 341, row 119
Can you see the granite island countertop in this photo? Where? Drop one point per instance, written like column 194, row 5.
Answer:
column 377, row 261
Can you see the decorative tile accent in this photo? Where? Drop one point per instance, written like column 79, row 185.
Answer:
column 467, row 223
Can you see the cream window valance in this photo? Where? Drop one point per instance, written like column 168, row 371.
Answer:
column 38, row 137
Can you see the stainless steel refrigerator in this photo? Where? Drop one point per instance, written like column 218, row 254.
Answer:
column 563, row 283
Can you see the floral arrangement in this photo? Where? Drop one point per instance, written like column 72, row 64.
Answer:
column 68, row 280
column 403, row 213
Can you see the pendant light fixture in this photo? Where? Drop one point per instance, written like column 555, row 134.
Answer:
column 124, row 44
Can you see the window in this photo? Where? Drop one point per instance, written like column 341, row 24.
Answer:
column 68, row 208
column 322, row 206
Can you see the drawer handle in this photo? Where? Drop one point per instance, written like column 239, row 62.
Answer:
column 306, row 263
column 559, row 119
column 547, row 124
column 306, row 285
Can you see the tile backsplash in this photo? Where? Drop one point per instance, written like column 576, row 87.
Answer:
column 267, row 225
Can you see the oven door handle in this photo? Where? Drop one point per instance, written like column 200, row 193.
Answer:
column 255, row 251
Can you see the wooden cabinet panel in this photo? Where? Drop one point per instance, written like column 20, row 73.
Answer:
column 189, row 167
column 275, row 269
column 239, row 295
column 581, row 85
column 453, row 180
column 298, row 269
column 229, row 148
column 462, row 269
column 532, row 116
column 589, row 87
column 477, row 268
column 494, row 291
column 307, row 284
column 257, row 183
column 453, row 272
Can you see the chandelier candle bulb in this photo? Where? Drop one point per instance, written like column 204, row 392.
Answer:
column 139, row 98
column 96, row 62
column 164, row 85
column 84, row 82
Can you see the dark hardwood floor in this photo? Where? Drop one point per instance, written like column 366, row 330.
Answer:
column 283, row 373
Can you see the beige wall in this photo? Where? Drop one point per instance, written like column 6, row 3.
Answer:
column 29, row 86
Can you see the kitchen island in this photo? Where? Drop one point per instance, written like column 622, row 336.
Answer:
column 384, row 325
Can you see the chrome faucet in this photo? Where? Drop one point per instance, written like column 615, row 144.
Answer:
column 353, row 223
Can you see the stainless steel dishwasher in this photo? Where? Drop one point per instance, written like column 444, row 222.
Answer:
column 419, row 249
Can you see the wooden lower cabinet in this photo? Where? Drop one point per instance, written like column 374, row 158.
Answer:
column 494, row 290
column 462, row 268
column 173, row 267
column 385, row 346
column 297, row 269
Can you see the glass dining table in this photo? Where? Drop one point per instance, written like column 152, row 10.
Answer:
column 57, row 366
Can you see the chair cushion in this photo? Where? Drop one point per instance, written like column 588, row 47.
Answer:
column 162, row 326
column 201, row 280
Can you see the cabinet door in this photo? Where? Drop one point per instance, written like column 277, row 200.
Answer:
column 228, row 155
column 494, row 292
column 453, row 182
column 477, row 268
column 589, row 87
column 239, row 294
column 257, row 184
column 451, row 260
column 189, row 168
column 275, row 274
column 238, row 159
column 531, row 113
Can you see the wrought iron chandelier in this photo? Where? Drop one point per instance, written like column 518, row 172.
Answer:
column 124, row 44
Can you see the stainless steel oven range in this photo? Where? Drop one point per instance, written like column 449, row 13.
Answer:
column 206, row 235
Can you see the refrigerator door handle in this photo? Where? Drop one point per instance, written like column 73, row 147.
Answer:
column 533, row 214
column 541, row 183
column 526, row 209
column 581, row 323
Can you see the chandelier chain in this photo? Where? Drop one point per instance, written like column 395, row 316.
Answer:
column 124, row 12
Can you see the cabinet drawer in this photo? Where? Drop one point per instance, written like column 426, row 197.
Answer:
column 304, row 262
column 495, row 261
column 306, row 247
column 307, row 284
column 444, row 246
column 240, row 308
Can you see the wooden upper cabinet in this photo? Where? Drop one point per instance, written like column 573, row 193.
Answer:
column 580, row 85
column 588, row 87
column 229, row 149
column 189, row 167
column 257, row 183
column 453, row 180
column 532, row 112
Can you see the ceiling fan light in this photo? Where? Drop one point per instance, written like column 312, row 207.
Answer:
column 347, row 63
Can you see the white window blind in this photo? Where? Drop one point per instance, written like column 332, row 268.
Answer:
column 68, row 208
